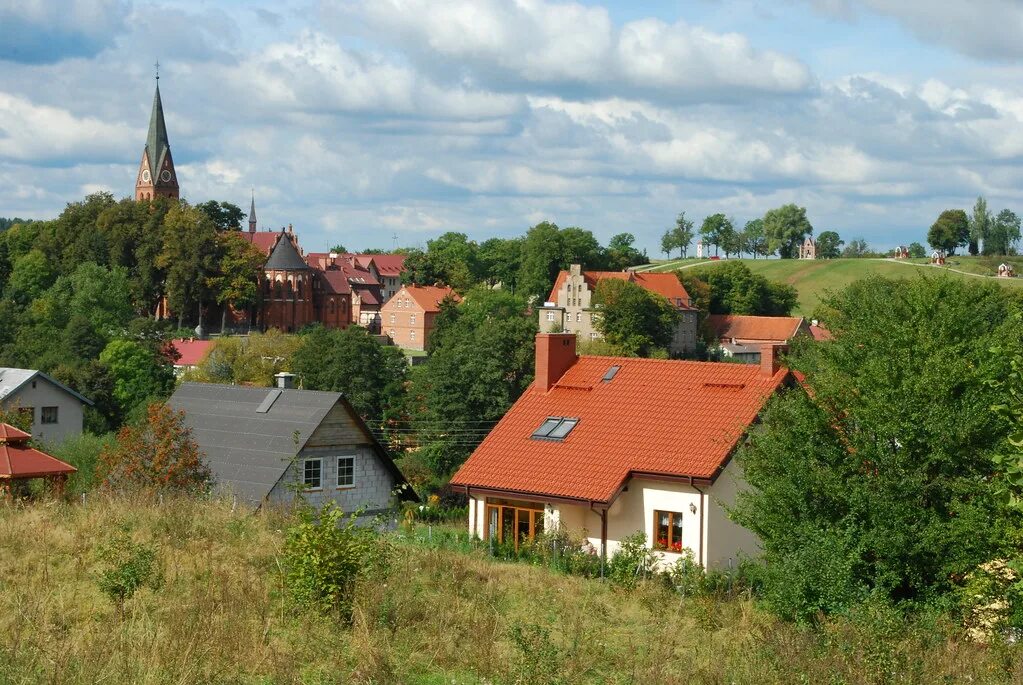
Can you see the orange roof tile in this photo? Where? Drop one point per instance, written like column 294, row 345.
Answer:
column 9, row 433
column 666, row 285
column 191, row 351
column 754, row 328
column 677, row 418
column 820, row 332
column 429, row 297
column 18, row 460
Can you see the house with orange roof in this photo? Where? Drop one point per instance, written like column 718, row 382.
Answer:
column 611, row 446
column 741, row 337
column 569, row 307
column 408, row 317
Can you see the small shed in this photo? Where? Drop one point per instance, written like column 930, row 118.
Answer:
column 20, row 463
column 901, row 252
column 1006, row 271
column 937, row 258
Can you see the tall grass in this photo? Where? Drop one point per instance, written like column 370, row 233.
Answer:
column 437, row 616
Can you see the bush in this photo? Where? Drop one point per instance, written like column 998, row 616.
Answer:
column 325, row 553
column 82, row 452
column 128, row 567
column 632, row 561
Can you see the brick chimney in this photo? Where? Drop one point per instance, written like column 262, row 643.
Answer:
column 769, row 358
column 555, row 354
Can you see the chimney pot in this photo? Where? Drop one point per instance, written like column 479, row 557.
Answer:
column 555, row 354
column 769, row 358
column 285, row 380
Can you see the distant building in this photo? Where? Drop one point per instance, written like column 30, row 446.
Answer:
column 569, row 306
column 808, row 250
column 56, row 410
column 408, row 317
column 190, row 352
column 156, row 175
column 901, row 252
column 1006, row 271
column 270, row 445
column 937, row 258
column 743, row 337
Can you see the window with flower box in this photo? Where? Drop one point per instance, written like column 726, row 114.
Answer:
column 668, row 531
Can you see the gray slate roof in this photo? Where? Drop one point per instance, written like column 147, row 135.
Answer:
column 285, row 256
column 157, row 144
column 249, row 451
column 12, row 379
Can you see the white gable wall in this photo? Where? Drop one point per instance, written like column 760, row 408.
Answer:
column 39, row 393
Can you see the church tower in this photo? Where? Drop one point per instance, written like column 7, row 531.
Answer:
column 156, row 177
column 252, row 214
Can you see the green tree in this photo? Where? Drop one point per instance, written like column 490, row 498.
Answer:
column 235, row 282
column 32, row 275
column 917, row 251
column 371, row 376
column 500, row 260
column 857, row 247
column 877, row 482
column 734, row 289
column 189, row 256
column 715, row 230
column 633, row 320
column 682, row 234
column 621, row 254
column 828, row 244
column 951, row 230
column 1003, row 233
column 542, row 251
column 785, row 228
column 980, row 225
column 753, row 239
column 579, row 246
column 339, row 249
column 224, row 215
column 455, row 259
column 140, row 374
column 668, row 243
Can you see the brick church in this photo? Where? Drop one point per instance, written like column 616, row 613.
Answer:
column 296, row 288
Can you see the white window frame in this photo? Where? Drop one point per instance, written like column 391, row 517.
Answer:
column 550, row 316
column 305, row 463
column 412, row 334
column 392, row 318
column 411, row 319
column 337, row 475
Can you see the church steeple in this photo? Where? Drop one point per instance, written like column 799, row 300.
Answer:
column 156, row 176
column 252, row 214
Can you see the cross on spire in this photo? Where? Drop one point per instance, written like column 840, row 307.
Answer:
column 157, row 65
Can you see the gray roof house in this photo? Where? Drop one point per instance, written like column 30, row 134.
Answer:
column 265, row 445
column 57, row 410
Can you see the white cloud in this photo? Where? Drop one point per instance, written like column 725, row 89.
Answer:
column 538, row 44
column 40, row 133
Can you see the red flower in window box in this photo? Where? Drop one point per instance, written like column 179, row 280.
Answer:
column 662, row 543
column 676, row 547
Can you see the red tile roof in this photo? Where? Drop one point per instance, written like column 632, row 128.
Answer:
column 18, row 460
column 192, row 351
column 264, row 240
column 428, row 297
column 820, row 332
column 676, row 418
column 754, row 328
column 336, row 280
column 666, row 285
column 387, row 264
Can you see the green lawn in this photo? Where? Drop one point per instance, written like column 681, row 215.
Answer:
column 813, row 278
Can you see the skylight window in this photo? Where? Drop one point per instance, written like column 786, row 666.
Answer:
column 610, row 374
column 555, row 428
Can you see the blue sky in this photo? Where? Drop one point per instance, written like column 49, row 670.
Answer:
column 363, row 120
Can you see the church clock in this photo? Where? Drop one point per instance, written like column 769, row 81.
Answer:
column 145, row 175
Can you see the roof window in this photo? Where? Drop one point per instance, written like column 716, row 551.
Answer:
column 555, row 428
column 610, row 374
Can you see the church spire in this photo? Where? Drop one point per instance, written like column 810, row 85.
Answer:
column 156, row 175
column 252, row 214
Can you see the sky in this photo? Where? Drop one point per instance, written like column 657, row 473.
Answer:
column 376, row 123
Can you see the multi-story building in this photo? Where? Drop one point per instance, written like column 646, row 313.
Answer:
column 408, row 317
column 569, row 308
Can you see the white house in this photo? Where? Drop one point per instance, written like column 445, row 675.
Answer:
column 611, row 446
column 57, row 410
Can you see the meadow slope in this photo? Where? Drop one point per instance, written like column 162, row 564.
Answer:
column 436, row 616
column 812, row 278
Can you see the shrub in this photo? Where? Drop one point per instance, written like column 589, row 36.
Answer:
column 325, row 553
column 128, row 566
column 632, row 561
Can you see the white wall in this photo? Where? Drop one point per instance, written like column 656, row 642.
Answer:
column 39, row 393
column 728, row 540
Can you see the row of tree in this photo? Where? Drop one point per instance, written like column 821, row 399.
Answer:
column 780, row 231
column 981, row 232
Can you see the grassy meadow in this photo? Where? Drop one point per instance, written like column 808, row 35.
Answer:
column 220, row 615
column 812, row 278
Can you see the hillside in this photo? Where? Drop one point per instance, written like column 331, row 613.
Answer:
column 437, row 616
column 813, row 278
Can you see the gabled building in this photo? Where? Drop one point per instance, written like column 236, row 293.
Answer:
column 20, row 462
column 569, row 308
column 189, row 352
column 609, row 446
column 408, row 317
column 742, row 337
column 56, row 410
column 269, row 445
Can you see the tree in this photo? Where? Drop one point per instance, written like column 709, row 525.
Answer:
column 951, row 230
column 731, row 239
column 828, row 244
column 734, row 289
column 542, row 252
column 621, row 254
column 579, row 246
column 1003, row 233
column 753, row 239
column 251, row 360
column 235, row 282
column 189, row 256
column 140, row 374
column 785, row 228
column 224, row 215
column 633, row 320
column 917, row 251
column 877, row 482
column 481, row 360
column 500, row 259
column 158, row 454
column 33, row 273
column 682, row 234
column 454, row 260
column 857, row 247
column 668, row 243
column 339, row 249
column 980, row 224
column 371, row 376
column 715, row 230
